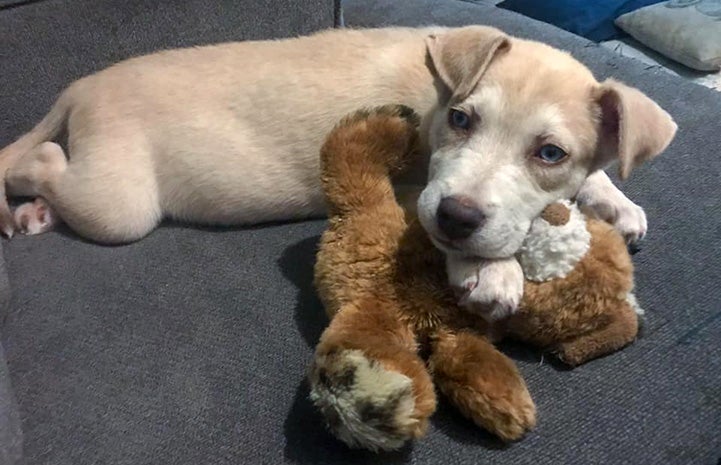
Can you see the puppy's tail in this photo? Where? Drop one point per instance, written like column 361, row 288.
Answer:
column 46, row 130
column 362, row 152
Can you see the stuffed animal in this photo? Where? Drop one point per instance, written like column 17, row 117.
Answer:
column 396, row 328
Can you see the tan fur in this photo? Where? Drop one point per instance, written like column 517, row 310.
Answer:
column 383, row 285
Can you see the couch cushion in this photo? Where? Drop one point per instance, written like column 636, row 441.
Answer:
column 191, row 346
column 10, row 432
column 188, row 347
column 11, row 439
column 593, row 20
column 688, row 34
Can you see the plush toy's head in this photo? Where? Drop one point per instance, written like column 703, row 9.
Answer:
column 555, row 243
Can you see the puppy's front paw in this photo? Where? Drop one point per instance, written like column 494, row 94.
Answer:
column 492, row 288
column 630, row 221
column 364, row 403
column 610, row 204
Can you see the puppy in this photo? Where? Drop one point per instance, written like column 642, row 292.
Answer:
column 229, row 134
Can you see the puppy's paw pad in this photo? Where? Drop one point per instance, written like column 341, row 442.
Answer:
column 34, row 217
column 364, row 404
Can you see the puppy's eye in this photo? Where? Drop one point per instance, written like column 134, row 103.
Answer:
column 551, row 154
column 458, row 119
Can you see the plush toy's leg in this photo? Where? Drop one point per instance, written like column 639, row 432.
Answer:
column 483, row 383
column 368, row 380
column 620, row 331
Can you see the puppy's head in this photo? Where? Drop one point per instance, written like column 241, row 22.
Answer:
column 523, row 126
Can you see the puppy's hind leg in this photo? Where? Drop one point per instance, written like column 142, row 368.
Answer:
column 37, row 216
column 99, row 197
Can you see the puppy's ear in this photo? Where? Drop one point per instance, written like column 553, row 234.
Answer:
column 633, row 128
column 460, row 56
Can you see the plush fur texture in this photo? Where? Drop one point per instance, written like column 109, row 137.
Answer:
column 555, row 245
column 396, row 329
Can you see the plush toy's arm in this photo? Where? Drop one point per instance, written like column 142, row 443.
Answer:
column 482, row 382
column 491, row 288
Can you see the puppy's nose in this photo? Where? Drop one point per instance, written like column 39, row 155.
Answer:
column 458, row 217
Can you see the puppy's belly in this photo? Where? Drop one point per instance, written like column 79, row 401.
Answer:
column 242, row 203
column 235, row 181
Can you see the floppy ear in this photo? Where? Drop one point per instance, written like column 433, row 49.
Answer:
column 633, row 127
column 461, row 56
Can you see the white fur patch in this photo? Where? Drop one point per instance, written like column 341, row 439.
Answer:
column 631, row 299
column 488, row 97
column 553, row 251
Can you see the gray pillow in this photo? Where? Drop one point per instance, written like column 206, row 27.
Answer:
column 688, row 31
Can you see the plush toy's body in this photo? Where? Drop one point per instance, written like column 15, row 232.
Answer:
column 396, row 329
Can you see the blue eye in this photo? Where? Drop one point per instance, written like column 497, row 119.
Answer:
column 551, row 154
column 458, row 119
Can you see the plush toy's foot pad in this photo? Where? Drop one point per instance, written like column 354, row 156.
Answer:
column 35, row 217
column 364, row 404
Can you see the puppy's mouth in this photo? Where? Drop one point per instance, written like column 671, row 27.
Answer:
column 445, row 244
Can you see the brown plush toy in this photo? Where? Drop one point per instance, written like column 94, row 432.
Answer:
column 396, row 329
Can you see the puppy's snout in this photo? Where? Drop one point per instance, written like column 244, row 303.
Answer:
column 458, row 217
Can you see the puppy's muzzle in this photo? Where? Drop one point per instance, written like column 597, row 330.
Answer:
column 458, row 217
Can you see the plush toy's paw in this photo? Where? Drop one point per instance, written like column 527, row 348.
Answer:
column 387, row 135
column 513, row 415
column 498, row 404
column 484, row 384
column 491, row 288
column 364, row 403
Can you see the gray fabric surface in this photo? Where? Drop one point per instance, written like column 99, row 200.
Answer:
column 11, row 439
column 10, row 431
column 190, row 347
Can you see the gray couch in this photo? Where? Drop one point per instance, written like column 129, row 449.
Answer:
column 190, row 346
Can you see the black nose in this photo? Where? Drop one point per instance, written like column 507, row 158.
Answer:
column 458, row 217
